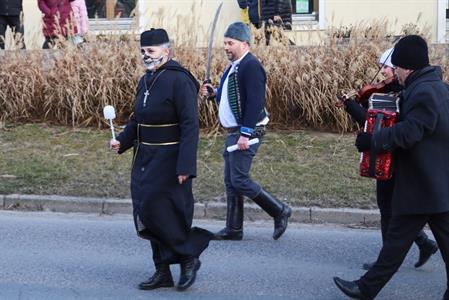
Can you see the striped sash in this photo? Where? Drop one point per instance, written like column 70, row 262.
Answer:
column 234, row 96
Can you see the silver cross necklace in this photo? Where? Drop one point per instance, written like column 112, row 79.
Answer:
column 147, row 90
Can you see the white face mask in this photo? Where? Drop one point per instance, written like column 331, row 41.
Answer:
column 152, row 63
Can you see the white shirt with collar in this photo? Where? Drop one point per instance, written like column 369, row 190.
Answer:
column 225, row 114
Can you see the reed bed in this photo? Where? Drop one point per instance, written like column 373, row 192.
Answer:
column 70, row 86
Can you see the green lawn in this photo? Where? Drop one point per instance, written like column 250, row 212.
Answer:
column 305, row 168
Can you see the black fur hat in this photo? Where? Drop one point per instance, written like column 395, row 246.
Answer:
column 153, row 37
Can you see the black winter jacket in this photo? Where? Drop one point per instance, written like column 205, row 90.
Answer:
column 282, row 8
column 253, row 10
column 10, row 7
column 420, row 143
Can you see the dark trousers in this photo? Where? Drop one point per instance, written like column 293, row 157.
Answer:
column 157, row 249
column 384, row 195
column 16, row 26
column 51, row 42
column 237, row 167
column 402, row 231
column 156, row 253
column 268, row 30
column 269, row 27
column 160, row 250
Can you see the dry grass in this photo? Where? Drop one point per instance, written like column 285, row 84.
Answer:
column 304, row 168
column 70, row 86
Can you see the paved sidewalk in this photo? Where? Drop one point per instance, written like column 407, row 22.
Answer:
column 210, row 210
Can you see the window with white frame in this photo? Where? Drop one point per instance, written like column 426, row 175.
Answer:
column 302, row 6
column 447, row 9
column 110, row 9
column 305, row 10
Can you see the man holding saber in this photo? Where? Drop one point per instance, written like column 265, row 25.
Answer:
column 241, row 98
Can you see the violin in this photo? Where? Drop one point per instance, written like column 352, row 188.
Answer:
column 362, row 95
column 365, row 92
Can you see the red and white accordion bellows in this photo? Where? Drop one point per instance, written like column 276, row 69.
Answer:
column 382, row 113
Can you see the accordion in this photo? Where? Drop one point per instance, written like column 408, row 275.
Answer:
column 382, row 113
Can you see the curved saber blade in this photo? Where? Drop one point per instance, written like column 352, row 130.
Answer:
column 211, row 41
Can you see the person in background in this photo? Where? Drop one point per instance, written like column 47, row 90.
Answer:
column 56, row 19
column 81, row 20
column 250, row 10
column 276, row 13
column 11, row 14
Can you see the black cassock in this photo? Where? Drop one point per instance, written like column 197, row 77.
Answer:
column 164, row 134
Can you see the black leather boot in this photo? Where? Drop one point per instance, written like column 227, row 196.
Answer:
column 426, row 250
column 234, row 220
column 275, row 208
column 189, row 267
column 161, row 278
column 350, row 289
column 367, row 266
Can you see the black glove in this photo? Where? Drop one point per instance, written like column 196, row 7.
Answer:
column 363, row 142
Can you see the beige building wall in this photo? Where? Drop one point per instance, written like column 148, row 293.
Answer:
column 184, row 19
column 428, row 15
column 396, row 13
column 190, row 20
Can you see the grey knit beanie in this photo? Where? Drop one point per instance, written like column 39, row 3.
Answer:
column 238, row 31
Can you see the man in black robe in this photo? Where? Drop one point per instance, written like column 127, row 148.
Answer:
column 164, row 134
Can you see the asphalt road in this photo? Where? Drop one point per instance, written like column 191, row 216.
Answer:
column 70, row 256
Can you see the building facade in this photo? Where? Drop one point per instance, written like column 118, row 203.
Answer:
column 189, row 20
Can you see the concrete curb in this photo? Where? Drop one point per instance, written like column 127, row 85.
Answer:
column 211, row 210
column 2, row 201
